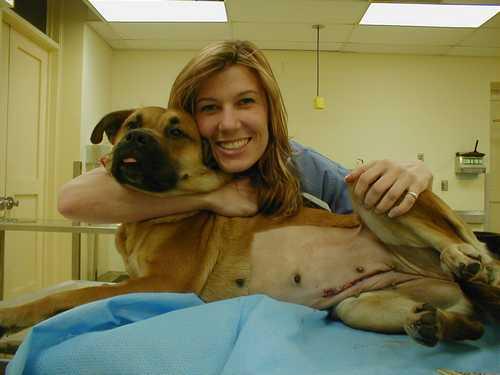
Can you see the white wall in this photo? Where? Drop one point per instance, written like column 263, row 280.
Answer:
column 96, row 83
column 96, row 102
column 143, row 78
column 378, row 106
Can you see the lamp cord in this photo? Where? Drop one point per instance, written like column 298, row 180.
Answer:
column 317, row 61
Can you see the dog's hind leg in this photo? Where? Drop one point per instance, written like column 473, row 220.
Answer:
column 16, row 318
column 426, row 320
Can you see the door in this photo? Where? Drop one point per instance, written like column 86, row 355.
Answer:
column 24, row 157
column 493, row 181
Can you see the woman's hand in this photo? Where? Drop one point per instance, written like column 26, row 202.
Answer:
column 237, row 198
column 382, row 183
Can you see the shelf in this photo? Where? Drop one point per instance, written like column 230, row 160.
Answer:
column 41, row 225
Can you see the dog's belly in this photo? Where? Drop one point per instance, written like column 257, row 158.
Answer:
column 320, row 266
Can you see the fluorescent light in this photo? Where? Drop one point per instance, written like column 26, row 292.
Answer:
column 7, row 3
column 431, row 15
column 160, row 10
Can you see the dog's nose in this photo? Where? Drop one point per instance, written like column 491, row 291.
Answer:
column 137, row 137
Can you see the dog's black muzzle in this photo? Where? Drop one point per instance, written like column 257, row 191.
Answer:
column 139, row 161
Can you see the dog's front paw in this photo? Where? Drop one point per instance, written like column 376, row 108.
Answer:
column 423, row 325
column 3, row 331
column 10, row 321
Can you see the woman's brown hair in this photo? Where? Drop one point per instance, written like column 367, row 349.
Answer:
column 274, row 174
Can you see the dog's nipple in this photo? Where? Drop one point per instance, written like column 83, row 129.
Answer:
column 360, row 269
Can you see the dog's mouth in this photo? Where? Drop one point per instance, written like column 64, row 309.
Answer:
column 147, row 170
column 129, row 161
column 130, row 165
column 131, row 171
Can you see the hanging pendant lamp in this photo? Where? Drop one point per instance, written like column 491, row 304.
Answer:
column 319, row 101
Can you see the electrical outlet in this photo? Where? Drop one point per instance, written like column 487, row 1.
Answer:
column 420, row 156
column 444, row 185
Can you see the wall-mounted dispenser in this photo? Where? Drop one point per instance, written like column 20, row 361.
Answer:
column 470, row 162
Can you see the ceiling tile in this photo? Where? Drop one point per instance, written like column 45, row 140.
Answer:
column 482, row 38
column 395, row 49
column 171, row 31
column 297, row 46
column 159, row 44
column 408, row 35
column 474, row 51
column 104, row 30
column 118, row 44
column 296, row 11
column 290, row 32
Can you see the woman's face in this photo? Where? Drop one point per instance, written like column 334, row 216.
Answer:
column 231, row 112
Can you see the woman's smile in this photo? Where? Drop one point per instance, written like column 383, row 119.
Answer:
column 234, row 145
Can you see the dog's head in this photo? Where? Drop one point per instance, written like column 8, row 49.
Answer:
column 158, row 151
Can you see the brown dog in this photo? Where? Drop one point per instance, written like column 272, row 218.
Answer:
column 373, row 273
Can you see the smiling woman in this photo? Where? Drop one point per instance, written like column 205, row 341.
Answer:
column 231, row 90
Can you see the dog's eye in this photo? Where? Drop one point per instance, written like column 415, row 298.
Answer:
column 133, row 125
column 175, row 132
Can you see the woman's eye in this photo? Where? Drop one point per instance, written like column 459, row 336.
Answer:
column 175, row 132
column 247, row 101
column 208, row 108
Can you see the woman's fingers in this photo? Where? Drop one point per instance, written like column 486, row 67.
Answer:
column 393, row 193
column 384, row 191
column 406, row 204
column 390, row 186
column 364, row 177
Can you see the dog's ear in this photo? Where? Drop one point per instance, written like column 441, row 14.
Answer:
column 208, row 157
column 110, row 124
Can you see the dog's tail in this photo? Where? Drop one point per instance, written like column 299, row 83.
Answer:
column 487, row 297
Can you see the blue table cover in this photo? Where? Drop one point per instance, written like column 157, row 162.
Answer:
column 167, row 333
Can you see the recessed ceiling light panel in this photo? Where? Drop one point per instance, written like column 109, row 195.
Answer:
column 160, row 10
column 428, row 15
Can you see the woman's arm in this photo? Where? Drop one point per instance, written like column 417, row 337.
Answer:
column 96, row 197
column 379, row 184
